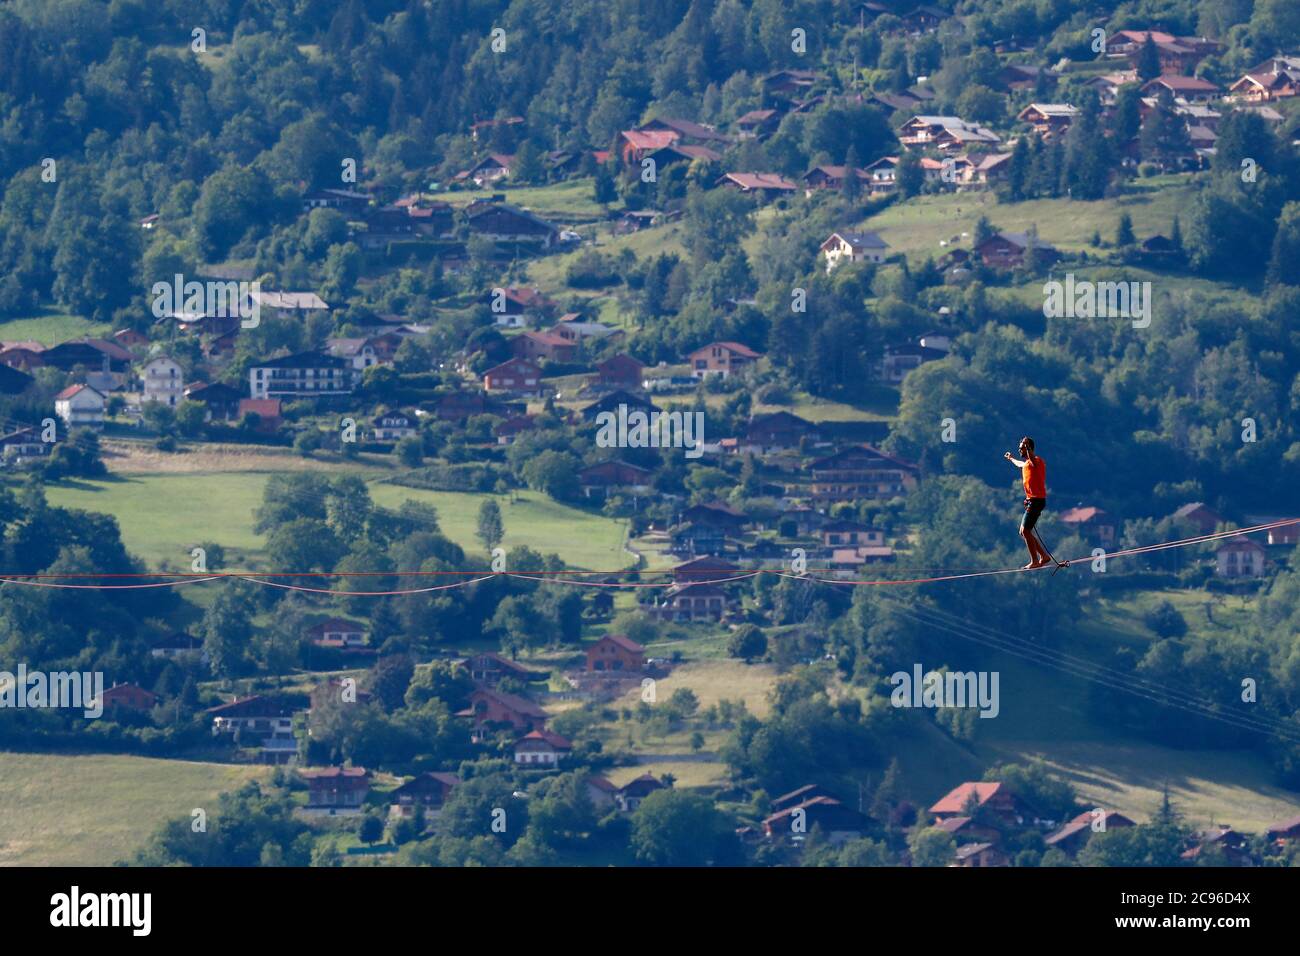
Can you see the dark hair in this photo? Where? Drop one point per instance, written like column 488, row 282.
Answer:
column 1028, row 442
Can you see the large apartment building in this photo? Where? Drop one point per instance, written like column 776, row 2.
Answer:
column 304, row 375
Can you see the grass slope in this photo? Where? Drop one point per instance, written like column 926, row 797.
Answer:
column 96, row 809
column 163, row 516
column 570, row 201
column 1043, row 716
column 49, row 327
column 917, row 226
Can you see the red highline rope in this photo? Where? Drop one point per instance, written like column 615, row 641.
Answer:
column 256, row 577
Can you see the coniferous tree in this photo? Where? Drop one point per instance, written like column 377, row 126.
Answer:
column 1124, row 232
column 910, row 175
column 1286, row 247
column 1088, row 159
column 1164, row 134
column 527, row 166
column 851, row 187
column 1019, row 170
column 1148, row 61
column 1126, row 115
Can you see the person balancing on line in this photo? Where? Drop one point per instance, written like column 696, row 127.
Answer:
column 1033, row 470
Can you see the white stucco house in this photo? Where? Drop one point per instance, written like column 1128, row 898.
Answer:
column 853, row 247
column 162, row 381
column 80, row 406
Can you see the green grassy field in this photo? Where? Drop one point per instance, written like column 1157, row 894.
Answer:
column 1206, row 786
column 569, row 201
column 163, row 516
column 918, row 225
column 1167, row 289
column 715, row 680
column 704, row 773
column 50, row 327
column 583, row 540
column 96, row 809
column 882, row 406
column 1043, row 716
column 549, row 272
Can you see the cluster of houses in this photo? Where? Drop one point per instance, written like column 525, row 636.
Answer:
column 953, row 152
column 136, row 369
column 813, row 466
column 416, row 217
column 980, row 815
column 957, row 153
column 264, row 725
column 425, row 794
column 269, row 725
column 1003, row 251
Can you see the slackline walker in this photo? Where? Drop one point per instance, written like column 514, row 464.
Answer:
column 147, row 579
column 1033, row 473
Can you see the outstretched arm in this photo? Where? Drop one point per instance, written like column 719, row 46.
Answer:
column 1015, row 461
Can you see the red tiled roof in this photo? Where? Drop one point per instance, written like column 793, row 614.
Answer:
column 651, row 138
column 955, row 801
column 624, row 642
column 736, row 347
column 821, row 463
column 1081, row 515
column 1183, row 83
column 760, row 181
column 512, row 363
column 70, row 391
column 555, row 740
column 1243, row 544
column 643, row 784
column 520, row 705
column 1084, row 821
column 789, row 811
column 798, row 795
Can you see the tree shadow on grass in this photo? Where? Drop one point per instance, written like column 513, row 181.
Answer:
column 93, row 484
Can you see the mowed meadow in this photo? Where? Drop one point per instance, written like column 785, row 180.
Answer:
column 97, row 809
column 918, row 226
column 163, row 516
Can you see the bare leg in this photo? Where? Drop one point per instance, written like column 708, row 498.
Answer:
column 1032, row 545
column 1043, row 556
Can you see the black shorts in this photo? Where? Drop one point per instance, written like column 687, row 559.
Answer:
column 1033, row 508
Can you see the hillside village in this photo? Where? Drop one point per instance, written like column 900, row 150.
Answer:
column 833, row 261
